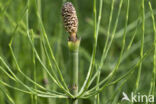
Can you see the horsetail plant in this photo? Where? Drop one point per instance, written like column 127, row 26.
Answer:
column 52, row 70
column 71, row 24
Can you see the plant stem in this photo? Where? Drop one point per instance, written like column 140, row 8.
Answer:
column 74, row 47
column 97, row 97
column 152, row 87
column 142, row 48
column 75, row 75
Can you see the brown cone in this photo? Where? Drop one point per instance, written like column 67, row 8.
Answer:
column 70, row 20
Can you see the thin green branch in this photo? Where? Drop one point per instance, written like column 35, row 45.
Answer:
column 142, row 46
column 109, row 45
column 7, row 73
column 15, row 88
column 51, row 52
column 37, row 56
column 45, row 68
column 7, row 95
column 91, row 92
column 152, row 89
column 15, row 77
column 108, row 33
column 40, row 93
column 96, row 33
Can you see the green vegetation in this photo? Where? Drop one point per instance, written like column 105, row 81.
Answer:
column 117, row 52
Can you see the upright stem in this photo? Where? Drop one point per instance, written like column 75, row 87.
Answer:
column 75, row 75
column 74, row 51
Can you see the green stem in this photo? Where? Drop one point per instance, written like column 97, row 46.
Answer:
column 74, row 47
column 142, row 48
column 97, row 97
column 152, row 87
column 34, row 65
column 75, row 75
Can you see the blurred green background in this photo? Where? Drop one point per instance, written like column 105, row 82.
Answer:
column 13, row 24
